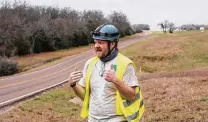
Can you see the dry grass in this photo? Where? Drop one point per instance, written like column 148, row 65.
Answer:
column 173, row 94
column 173, row 99
column 176, row 99
column 52, row 106
column 171, row 52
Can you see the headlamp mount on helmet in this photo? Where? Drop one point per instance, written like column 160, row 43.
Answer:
column 105, row 34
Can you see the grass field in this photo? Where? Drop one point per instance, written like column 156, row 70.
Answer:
column 167, row 99
column 173, row 98
column 171, row 52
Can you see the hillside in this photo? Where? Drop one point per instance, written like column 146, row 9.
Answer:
column 174, row 76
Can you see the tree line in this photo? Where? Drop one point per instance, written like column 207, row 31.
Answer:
column 140, row 27
column 189, row 27
column 26, row 29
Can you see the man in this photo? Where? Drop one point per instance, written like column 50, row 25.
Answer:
column 108, row 84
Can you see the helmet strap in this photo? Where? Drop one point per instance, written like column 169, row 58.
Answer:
column 112, row 53
column 109, row 50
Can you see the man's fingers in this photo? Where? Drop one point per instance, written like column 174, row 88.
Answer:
column 76, row 79
column 107, row 78
column 108, row 73
column 76, row 73
column 77, row 76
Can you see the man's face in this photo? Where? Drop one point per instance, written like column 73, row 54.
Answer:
column 101, row 48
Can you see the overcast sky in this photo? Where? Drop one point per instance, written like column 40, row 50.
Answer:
column 142, row 11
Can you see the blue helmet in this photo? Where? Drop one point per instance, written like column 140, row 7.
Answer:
column 106, row 32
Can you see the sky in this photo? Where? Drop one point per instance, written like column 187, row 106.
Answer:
column 141, row 11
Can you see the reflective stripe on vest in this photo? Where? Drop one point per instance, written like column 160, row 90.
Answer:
column 135, row 115
column 128, row 103
column 134, row 110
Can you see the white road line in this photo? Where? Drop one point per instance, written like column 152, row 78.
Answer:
column 29, row 94
column 35, row 92
column 46, row 75
column 18, row 75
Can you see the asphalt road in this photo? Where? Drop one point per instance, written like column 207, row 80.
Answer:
column 17, row 87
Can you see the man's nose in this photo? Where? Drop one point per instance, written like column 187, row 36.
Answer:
column 96, row 44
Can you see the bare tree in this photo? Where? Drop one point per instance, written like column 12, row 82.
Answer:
column 161, row 26
column 171, row 27
column 167, row 25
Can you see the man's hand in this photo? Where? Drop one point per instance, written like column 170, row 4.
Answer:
column 75, row 76
column 110, row 76
column 125, row 91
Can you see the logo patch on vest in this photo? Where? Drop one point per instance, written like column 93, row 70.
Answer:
column 113, row 67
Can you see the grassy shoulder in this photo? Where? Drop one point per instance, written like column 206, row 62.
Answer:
column 170, row 52
column 173, row 99
column 51, row 106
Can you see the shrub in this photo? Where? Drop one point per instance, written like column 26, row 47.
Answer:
column 7, row 67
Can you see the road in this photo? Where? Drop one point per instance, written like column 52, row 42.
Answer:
column 17, row 87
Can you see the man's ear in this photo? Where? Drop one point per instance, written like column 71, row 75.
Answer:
column 113, row 44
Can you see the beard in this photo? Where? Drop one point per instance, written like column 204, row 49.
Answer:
column 100, row 53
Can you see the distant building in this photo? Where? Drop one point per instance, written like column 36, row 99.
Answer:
column 201, row 29
column 178, row 29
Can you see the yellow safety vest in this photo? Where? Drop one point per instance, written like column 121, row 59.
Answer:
column 132, row 110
